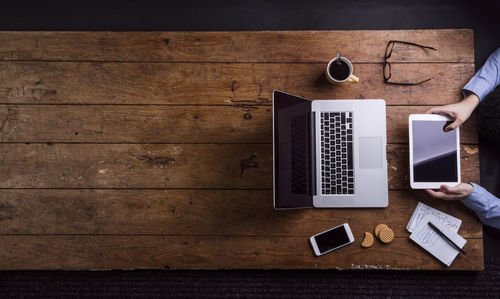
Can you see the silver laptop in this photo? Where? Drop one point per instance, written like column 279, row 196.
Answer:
column 329, row 153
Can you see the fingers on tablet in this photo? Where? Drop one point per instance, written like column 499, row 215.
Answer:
column 452, row 126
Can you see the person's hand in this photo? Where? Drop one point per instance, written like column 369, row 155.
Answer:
column 459, row 112
column 457, row 192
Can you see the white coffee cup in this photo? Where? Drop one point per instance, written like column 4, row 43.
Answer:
column 345, row 76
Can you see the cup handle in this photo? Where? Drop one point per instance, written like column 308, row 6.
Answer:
column 353, row 79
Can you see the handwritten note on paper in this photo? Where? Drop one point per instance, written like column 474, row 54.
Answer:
column 436, row 245
column 422, row 211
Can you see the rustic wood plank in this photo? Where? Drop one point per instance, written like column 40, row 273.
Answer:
column 218, row 252
column 215, row 166
column 136, row 165
column 221, row 84
column 454, row 45
column 209, row 212
column 169, row 124
column 397, row 124
column 398, row 156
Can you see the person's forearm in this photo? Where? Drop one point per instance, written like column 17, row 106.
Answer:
column 471, row 101
column 485, row 204
column 487, row 77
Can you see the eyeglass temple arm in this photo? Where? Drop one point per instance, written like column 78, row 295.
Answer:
column 413, row 44
column 406, row 83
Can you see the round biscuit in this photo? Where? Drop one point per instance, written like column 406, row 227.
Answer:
column 368, row 240
column 378, row 228
column 386, row 235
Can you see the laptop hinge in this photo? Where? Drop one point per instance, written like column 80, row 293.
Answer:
column 312, row 154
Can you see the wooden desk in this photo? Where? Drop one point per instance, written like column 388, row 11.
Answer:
column 154, row 149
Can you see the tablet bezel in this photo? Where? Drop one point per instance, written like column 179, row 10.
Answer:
column 430, row 185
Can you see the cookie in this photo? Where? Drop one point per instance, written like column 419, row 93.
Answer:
column 368, row 240
column 386, row 235
column 378, row 228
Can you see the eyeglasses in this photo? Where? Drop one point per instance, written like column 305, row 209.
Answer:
column 387, row 65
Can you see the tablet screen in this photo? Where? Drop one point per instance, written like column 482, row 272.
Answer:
column 434, row 152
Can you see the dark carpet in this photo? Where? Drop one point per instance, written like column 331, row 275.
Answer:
column 483, row 16
column 253, row 283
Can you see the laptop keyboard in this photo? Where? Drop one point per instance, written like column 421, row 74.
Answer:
column 337, row 169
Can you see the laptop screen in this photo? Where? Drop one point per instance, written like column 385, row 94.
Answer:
column 292, row 151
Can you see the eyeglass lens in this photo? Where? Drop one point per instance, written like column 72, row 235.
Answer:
column 387, row 66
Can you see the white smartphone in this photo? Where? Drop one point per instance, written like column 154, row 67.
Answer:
column 434, row 153
column 332, row 239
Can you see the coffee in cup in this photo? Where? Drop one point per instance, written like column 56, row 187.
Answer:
column 340, row 70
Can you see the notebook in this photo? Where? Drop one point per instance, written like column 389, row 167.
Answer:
column 436, row 245
column 430, row 240
column 422, row 211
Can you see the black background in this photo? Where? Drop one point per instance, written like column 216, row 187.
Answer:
column 483, row 16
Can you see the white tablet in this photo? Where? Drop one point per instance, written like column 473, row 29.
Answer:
column 434, row 153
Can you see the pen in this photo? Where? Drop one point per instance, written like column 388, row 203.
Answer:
column 437, row 230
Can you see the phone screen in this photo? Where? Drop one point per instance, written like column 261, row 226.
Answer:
column 434, row 152
column 332, row 239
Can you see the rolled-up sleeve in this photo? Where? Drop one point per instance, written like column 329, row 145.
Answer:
column 487, row 78
column 485, row 205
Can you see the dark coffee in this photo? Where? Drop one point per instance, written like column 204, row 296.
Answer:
column 339, row 70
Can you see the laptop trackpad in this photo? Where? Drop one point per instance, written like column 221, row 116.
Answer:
column 370, row 152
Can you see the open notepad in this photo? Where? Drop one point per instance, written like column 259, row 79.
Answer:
column 422, row 211
column 430, row 240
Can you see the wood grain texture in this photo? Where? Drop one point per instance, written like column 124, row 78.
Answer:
column 398, row 157
column 221, row 84
column 126, row 150
column 195, row 213
column 217, row 252
column 169, row 124
column 454, row 45
column 213, row 166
